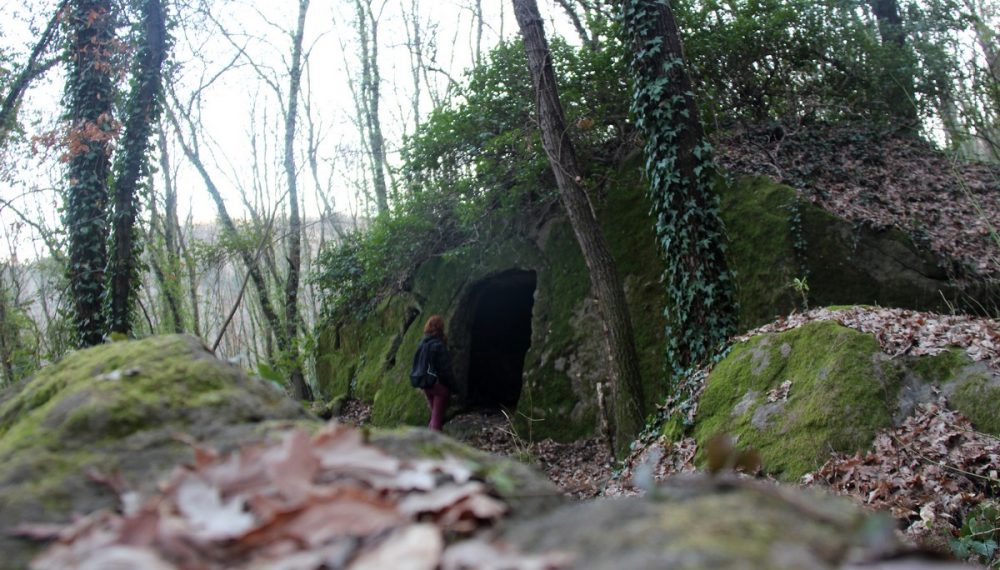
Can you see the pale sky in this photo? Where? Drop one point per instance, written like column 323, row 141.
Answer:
column 239, row 107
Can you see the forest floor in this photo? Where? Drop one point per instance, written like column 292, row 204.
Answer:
column 934, row 473
column 882, row 179
column 581, row 469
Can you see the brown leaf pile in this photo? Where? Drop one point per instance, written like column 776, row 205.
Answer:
column 928, row 472
column 882, row 179
column 328, row 500
column 652, row 464
column 579, row 468
column 905, row 332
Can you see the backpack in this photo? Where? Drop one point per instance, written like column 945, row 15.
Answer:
column 423, row 374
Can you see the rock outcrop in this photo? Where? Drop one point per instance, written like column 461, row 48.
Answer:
column 116, row 411
column 798, row 395
column 775, row 238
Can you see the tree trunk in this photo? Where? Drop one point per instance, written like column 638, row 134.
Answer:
column 91, row 94
column 898, row 79
column 627, row 401
column 171, row 231
column 370, row 99
column 143, row 111
column 300, row 388
column 702, row 308
column 251, row 261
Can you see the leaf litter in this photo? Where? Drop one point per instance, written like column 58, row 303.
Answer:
column 328, row 500
column 929, row 473
column 882, row 179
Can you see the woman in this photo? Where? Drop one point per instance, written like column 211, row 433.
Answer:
column 433, row 362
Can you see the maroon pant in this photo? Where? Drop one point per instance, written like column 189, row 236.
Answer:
column 437, row 400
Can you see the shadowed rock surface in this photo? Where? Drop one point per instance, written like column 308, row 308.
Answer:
column 700, row 523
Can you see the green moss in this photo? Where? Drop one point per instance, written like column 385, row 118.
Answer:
column 940, row 368
column 756, row 213
column 977, row 399
column 114, row 409
column 839, row 397
column 776, row 237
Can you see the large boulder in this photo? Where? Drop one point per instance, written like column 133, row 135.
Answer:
column 798, row 395
column 701, row 522
column 775, row 238
column 117, row 409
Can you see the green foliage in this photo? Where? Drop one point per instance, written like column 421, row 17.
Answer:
column 19, row 345
column 979, row 535
column 801, row 287
column 488, row 147
column 357, row 272
column 701, row 306
column 806, row 59
column 476, row 164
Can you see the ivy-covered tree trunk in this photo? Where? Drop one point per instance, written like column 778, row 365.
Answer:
column 626, row 386
column 300, row 388
column 701, row 306
column 91, row 93
column 143, row 109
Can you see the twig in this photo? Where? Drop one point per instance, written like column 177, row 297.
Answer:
column 944, row 465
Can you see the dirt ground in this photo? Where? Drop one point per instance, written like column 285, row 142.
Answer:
column 581, row 468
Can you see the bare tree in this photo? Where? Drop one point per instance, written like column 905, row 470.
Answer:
column 300, row 388
column 369, row 98
column 33, row 68
column 626, row 386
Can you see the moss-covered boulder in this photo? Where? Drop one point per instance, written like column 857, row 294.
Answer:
column 117, row 409
column 704, row 523
column 775, row 238
column 798, row 395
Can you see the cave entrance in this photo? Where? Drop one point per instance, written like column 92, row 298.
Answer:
column 499, row 338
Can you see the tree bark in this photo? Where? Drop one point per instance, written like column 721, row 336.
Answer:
column 91, row 94
column 702, row 305
column 626, row 393
column 300, row 388
column 898, row 79
column 171, row 231
column 371, row 98
column 143, row 111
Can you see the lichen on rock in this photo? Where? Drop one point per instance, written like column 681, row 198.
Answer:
column 798, row 395
column 117, row 409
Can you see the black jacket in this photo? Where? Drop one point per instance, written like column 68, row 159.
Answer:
column 438, row 357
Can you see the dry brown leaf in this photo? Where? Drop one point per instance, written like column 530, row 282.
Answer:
column 481, row 555
column 414, row 547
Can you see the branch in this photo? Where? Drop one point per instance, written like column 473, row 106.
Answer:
column 31, row 71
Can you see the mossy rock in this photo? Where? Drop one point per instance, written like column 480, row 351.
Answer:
column 697, row 523
column 776, row 237
column 117, row 408
column 971, row 388
column 842, row 390
column 838, row 398
column 527, row 491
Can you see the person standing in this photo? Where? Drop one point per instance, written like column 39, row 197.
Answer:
column 432, row 370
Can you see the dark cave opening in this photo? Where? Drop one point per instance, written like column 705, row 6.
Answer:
column 500, row 335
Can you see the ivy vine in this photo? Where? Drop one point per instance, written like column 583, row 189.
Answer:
column 701, row 306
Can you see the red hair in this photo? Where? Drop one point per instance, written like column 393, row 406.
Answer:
column 435, row 328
